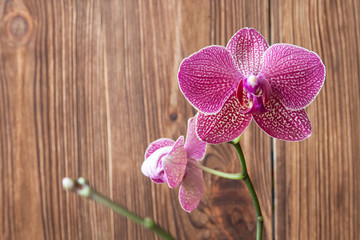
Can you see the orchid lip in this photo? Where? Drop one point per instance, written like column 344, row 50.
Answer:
column 256, row 106
column 256, row 90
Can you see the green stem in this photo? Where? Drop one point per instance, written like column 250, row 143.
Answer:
column 233, row 176
column 251, row 189
column 84, row 189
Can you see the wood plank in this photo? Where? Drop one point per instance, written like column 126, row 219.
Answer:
column 79, row 89
column 145, row 42
column 53, row 119
column 316, row 181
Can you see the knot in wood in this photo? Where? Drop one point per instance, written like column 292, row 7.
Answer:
column 173, row 116
column 18, row 27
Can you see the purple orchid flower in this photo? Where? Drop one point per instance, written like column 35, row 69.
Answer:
column 175, row 162
column 250, row 80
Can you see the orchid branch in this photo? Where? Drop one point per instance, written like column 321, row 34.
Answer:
column 251, row 189
column 82, row 188
column 233, row 176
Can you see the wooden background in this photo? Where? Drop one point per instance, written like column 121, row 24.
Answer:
column 86, row 85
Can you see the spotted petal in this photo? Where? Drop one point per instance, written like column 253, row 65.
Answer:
column 284, row 124
column 174, row 163
column 195, row 148
column 191, row 188
column 294, row 73
column 224, row 126
column 207, row 78
column 247, row 47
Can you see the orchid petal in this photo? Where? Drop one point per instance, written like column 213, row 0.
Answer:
column 294, row 73
column 207, row 78
column 224, row 126
column 152, row 166
column 283, row 124
column 162, row 142
column 195, row 148
column 247, row 47
column 191, row 189
column 174, row 163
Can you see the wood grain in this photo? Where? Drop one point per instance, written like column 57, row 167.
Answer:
column 85, row 86
column 53, row 121
column 316, row 181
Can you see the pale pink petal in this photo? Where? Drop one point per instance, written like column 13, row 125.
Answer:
column 295, row 74
column 247, row 47
column 195, row 148
column 191, row 189
column 224, row 126
column 162, row 142
column 174, row 163
column 207, row 78
column 152, row 166
column 284, row 124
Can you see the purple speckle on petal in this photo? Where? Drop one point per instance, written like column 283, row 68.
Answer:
column 207, row 78
column 247, row 47
column 284, row 124
column 294, row 73
column 224, row 126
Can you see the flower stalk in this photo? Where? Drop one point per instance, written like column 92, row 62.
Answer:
column 251, row 189
column 233, row 176
column 82, row 188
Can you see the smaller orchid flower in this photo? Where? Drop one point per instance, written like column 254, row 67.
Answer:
column 174, row 163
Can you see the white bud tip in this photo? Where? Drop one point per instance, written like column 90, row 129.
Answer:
column 68, row 183
column 85, row 191
column 82, row 180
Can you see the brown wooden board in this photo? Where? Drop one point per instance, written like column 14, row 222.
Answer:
column 53, row 119
column 316, row 181
column 85, row 86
